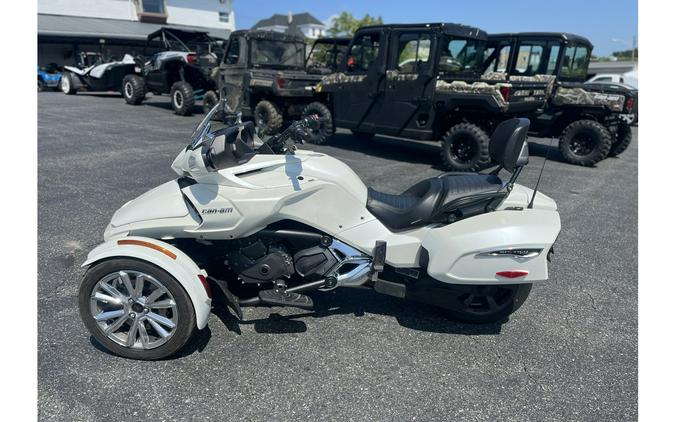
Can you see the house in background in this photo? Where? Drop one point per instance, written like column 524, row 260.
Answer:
column 301, row 23
column 116, row 27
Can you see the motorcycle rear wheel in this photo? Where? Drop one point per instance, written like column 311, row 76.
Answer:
column 488, row 304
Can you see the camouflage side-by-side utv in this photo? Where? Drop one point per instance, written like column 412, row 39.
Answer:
column 425, row 82
column 263, row 75
column 587, row 118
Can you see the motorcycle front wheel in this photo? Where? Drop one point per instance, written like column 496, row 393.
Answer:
column 135, row 309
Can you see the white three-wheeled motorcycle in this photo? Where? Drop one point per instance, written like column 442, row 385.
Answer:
column 259, row 223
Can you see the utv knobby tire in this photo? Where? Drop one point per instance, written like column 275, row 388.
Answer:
column 210, row 100
column 186, row 313
column 133, row 89
column 477, row 314
column 67, row 85
column 41, row 85
column 624, row 136
column 326, row 129
column 585, row 142
column 268, row 118
column 362, row 136
column 182, row 98
column 465, row 147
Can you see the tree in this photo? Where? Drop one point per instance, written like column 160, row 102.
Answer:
column 346, row 24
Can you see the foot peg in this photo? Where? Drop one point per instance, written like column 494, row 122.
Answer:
column 284, row 298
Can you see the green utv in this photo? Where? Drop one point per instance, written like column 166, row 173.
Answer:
column 265, row 76
column 425, row 82
column 588, row 119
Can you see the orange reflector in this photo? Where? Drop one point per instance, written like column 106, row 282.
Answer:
column 205, row 283
column 147, row 245
column 512, row 274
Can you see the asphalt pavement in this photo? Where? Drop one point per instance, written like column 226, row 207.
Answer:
column 570, row 353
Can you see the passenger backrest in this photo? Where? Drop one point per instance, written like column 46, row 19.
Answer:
column 508, row 144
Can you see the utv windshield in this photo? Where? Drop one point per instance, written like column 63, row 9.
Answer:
column 279, row 54
column 326, row 55
column 460, row 55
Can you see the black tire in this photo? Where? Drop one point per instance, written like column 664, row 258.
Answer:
column 474, row 307
column 326, row 129
column 133, row 89
column 182, row 98
column 41, row 85
column 585, row 142
column 465, row 147
column 186, row 321
column 362, row 136
column 210, row 100
column 67, row 84
column 268, row 118
column 624, row 136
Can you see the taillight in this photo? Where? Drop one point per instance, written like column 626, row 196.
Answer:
column 629, row 104
column 512, row 274
column 506, row 92
column 191, row 58
column 281, row 82
column 205, row 283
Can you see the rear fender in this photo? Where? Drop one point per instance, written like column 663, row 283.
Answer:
column 165, row 256
column 474, row 250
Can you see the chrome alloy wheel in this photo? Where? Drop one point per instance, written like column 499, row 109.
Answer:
column 134, row 309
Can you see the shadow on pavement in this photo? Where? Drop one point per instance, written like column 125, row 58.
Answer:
column 359, row 303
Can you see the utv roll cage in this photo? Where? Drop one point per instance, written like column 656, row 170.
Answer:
column 182, row 40
column 552, row 56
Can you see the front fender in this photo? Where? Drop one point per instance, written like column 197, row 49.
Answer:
column 168, row 258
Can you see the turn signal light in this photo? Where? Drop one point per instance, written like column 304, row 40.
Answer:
column 205, row 283
column 629, row 104
column 506, row 92
column 512, row 274
column 281, row 82
column 191, row 58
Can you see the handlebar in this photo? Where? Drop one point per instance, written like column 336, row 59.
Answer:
column 297, row 131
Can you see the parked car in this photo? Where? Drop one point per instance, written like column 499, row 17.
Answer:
column 94, row 73
column 185, row 69
column 49, row 76
column 424, row 81
column 587, row 118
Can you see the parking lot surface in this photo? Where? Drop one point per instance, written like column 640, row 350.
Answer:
column 570, row 353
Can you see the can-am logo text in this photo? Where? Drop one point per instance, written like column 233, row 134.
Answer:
column 217, row 210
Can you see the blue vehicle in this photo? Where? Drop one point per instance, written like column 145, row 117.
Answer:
column 48, row 76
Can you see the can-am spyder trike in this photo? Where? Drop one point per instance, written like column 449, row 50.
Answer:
column 260, row 223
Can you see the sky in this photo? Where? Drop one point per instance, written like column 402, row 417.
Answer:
column 609, row 24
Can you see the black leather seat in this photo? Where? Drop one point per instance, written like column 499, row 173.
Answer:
column 454, row 196
column 417, row 205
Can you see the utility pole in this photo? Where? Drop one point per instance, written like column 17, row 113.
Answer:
column 632, row 53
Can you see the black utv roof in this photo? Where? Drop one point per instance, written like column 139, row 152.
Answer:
column 454, row 29
column 267, row 35
column 184, row 35
column 566, row 36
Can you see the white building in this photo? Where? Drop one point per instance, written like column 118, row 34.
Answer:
column 66, row 27
column 303, row 23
